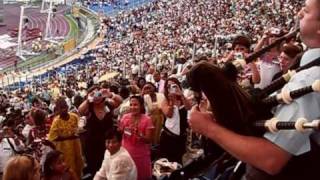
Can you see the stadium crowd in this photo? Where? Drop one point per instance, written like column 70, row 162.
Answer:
column 127, row 103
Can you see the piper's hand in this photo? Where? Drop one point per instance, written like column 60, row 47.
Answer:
column 200, row 121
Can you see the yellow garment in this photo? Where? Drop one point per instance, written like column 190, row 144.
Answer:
column 70, row 148
column 55, row 92
column 157, row 118
column 155, row 112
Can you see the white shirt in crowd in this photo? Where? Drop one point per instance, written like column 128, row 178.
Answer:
column 135, row 69
column 119, row 166
column 173, row 123
column 149, row 78
column 6, row 151
column 26, row 130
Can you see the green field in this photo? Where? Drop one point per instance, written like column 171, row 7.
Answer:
column 74, row 30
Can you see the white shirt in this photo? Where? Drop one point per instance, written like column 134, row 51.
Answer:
column 26, row 130
column 149, row 78
column 119, row 166
column 6, row 151
column 173, row 123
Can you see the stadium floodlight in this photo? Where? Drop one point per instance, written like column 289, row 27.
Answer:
column 19, row 48
column 48, row 24
column 44, row 5
column 23, row 21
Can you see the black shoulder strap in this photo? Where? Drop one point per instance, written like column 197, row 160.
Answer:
column 12, row 147
column 315, row 62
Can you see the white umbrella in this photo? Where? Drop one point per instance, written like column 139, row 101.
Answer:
column 108, row 76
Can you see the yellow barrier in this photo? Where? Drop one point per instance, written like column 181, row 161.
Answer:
column 69, row 45
column 75, row 11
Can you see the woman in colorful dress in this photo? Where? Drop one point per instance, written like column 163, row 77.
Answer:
column 63, row 133
column 137, row 131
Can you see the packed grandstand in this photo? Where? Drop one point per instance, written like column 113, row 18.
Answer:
column 88, row 87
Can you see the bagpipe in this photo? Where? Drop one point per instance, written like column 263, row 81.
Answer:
column 239, row 111
column 233, row 107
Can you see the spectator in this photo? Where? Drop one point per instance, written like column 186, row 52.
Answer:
column 22, row 167
column 98, row 112
column 56, row 168
column 137, row 131
column 153, row 103
column 63, row 133
column 288, row 59
column 9, row 146
column 241, row 49
column 117, row 163
column 174, row 107
column 269, row 65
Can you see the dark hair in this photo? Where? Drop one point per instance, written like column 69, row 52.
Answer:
column 166, row 91
column 139, row 80
column 39, row 116
column 201, row 58
column 291, row 50
column 151, row 84
column 141, row 102
column 69, row 93
column 35, row 100
column 243, row 41
column 61, row 101
column 77, row 100
column 51, row 158
column 105, row 85
column 124, row 92
column 92, row 88
column 114, row 89
column 114, row 134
